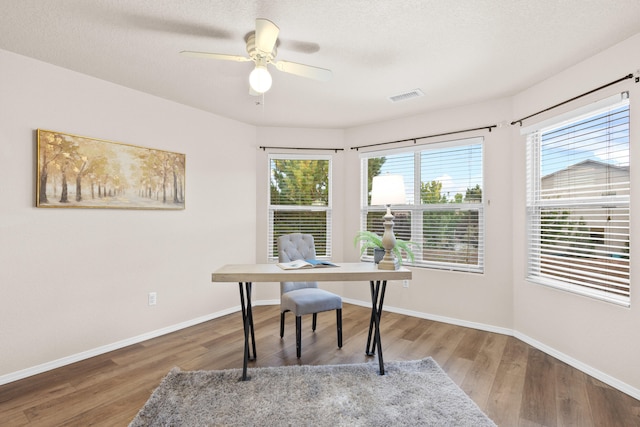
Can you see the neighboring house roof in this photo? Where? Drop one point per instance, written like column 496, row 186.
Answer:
column 587, row 164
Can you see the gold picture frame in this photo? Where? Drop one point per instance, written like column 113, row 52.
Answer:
column 82, row 172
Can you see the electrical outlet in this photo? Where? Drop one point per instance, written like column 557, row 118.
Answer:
column 405, row 283
column 153, row 298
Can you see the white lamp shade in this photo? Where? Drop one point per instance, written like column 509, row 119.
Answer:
column 260, row 79
column 387, row 190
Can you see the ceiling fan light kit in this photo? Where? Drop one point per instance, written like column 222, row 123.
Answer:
column 261, row 46
column 260, row 79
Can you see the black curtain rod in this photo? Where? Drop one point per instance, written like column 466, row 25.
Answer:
column 425, row 137
column 302, row 148
column 628, row 76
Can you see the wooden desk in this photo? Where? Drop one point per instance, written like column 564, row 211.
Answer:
column 246, row 274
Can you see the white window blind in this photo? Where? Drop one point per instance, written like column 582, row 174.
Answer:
column 444, row 212
column 578, row 191
column 300, row 200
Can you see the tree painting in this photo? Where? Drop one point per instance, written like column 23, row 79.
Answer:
column 81, row 172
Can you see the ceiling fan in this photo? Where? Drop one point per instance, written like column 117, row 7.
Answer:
column 262, row 50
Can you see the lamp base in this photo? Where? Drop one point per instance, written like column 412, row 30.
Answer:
column 388, row 265
column 389, row 262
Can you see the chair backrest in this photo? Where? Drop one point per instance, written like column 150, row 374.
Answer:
column 292, row 247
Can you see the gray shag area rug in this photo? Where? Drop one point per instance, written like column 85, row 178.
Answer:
column 414, row 393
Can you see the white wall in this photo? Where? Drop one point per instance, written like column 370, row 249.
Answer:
column 602, row 336
column 483, row 299
column 74, row 280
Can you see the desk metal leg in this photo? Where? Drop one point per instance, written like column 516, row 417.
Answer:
column 247, row 321
column 378, row 289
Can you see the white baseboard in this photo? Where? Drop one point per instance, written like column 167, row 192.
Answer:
column 443, row 319
column 48, row 366
column 589, row 370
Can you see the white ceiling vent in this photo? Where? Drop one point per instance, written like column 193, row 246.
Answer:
column 407, row 95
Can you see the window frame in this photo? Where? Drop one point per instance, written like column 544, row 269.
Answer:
column 571, row 205
column 416, row 210
column 272, row 255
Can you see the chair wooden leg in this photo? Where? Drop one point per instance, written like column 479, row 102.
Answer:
column 315, row 321
column 298, row 335
column 282, row 324
column 339, row 325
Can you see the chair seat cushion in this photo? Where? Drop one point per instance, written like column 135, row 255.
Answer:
column 309, row 300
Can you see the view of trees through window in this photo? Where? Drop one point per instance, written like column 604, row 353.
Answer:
column 299, row 201
column 446, row 218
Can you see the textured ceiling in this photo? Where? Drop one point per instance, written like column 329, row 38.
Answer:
column 455, row 51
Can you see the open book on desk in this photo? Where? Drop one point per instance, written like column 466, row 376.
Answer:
column 305, row 263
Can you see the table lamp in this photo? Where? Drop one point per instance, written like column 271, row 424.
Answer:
column 388, row 190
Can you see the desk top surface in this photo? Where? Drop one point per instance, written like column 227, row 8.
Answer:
column 347, row 271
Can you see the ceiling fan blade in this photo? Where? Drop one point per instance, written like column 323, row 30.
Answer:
column 302, row 70
column 266, row 35
column 222, row 56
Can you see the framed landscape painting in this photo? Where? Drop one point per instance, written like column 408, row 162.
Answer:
column 80, row 172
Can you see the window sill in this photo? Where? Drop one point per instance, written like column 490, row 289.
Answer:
column 579, row 290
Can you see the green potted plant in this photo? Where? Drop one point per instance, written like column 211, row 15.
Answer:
column 369, row 239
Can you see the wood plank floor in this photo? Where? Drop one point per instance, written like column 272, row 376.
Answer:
column 512, row 382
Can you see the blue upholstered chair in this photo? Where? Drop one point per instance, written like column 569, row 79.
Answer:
column 302, row 298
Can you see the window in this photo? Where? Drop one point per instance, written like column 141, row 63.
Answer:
column 578, row 191
column 444, row 212
column 300, row 200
